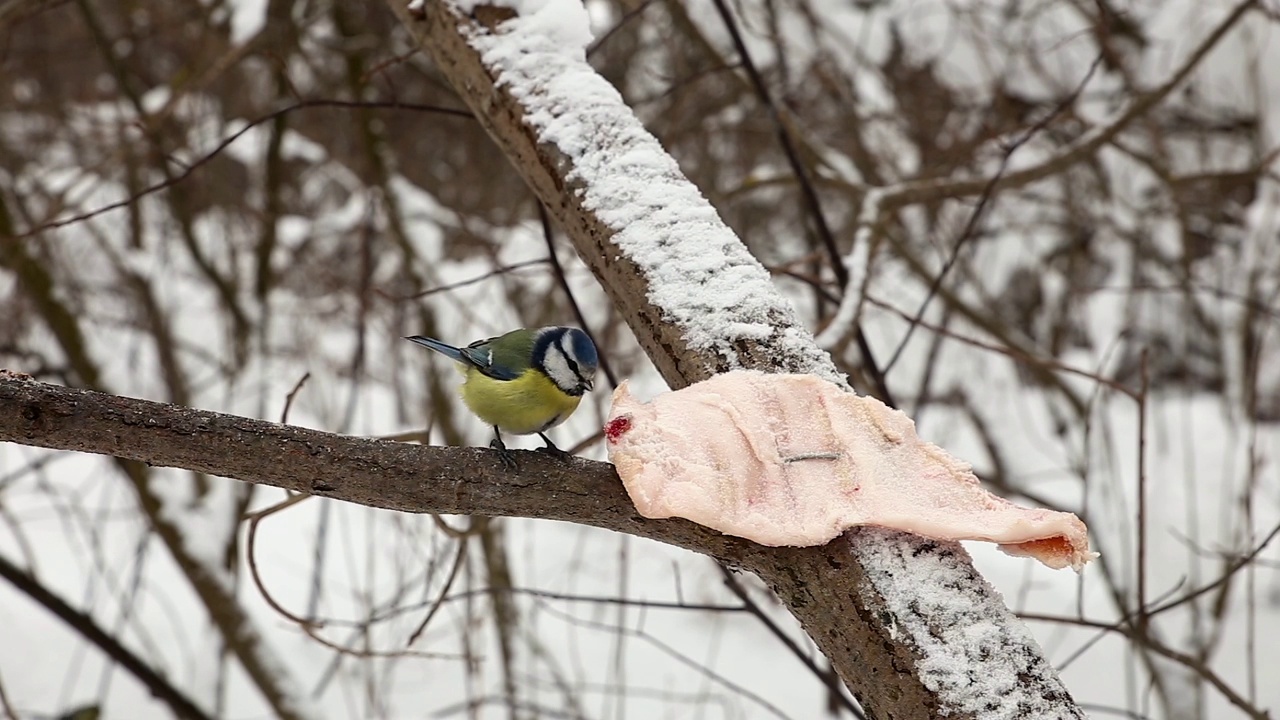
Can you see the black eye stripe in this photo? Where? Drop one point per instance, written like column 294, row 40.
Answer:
column 568, row 358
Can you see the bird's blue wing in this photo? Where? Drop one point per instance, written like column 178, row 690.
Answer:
column 480, row 354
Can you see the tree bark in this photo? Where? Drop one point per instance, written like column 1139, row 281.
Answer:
column 828, row 589
column 910, row 626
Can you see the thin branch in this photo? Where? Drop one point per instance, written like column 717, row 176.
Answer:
column 458, row 560
column 1235, row 567
column 549, row 235
column 6, row 706
column 288, row 400
column 1142, row 619
column 812, row 202
column 396, row 611
column 308, row 626
column 252, row 558
column 500, row 270
column 674, row 654
column 631, row 14
column 86, row 627
column 601, row 600
column 753, row 608
column 1189, row 661
column 226, row 142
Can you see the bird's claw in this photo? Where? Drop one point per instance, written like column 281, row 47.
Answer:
column 505, row 455
column 551, row 449
column 555, row 452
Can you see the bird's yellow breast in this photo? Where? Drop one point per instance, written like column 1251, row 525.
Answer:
column 531, row 403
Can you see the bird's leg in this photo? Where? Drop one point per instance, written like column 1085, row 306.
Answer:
column 503, row 453
column 551, row 448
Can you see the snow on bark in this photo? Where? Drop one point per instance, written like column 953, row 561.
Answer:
column 700, row 275
column 969, row 651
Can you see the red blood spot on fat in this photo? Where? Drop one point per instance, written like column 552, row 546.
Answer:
column 617, row 427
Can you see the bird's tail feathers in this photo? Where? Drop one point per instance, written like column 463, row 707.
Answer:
column 442, row 348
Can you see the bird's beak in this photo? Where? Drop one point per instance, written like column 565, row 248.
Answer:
column 590, row 383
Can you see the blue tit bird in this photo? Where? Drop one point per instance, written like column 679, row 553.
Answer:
column 525, row 382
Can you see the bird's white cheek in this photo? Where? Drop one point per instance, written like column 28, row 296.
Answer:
column 558, row 369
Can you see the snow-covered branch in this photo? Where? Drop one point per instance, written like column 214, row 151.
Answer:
column 908, row 624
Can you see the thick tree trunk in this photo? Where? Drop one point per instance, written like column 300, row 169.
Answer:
column 909, row 625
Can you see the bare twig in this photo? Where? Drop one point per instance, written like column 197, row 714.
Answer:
column 1235, row 567
column 604, row 37
column 500, row 270
column 252, row 557
column 676, row 655
column 88, row 628
column 549, row 235
column 1189, row 661
column 309, row 626
column 1141, row 621
column 752, row 607
column 222, row 145
column 812, row 201
column 5, row 705
column 459, row 560
column 288, row 400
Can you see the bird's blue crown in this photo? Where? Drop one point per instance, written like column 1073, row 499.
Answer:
column 582, row 348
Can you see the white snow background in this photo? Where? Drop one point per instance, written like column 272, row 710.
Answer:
column 1198, row 468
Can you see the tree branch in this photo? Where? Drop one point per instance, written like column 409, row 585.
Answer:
column 833, row 590
column 181, row 705
column 910, row 626
column 366, row 471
